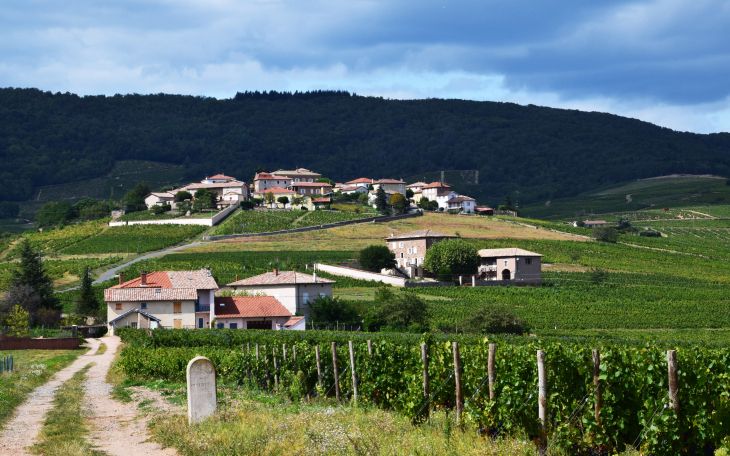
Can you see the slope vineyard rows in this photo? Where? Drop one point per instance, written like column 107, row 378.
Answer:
column 134, row 239
column 263, row 221
column 388, row 372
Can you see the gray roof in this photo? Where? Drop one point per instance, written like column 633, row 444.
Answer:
column 138, row 311
column 421, row 234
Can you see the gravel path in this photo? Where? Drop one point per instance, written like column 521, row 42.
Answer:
column 116, row 428
column 22, row 430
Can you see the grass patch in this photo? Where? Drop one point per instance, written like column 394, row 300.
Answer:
column 64, row 430
column 33, row 368
column 254, row 427
column 101, row 350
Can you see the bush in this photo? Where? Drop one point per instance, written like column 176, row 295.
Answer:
column 604, row 234
column 445, row 275
column 490, row 319
column 456, row 254
column 158, row 209
column 650, row 233
column 247, row 205
column 377, row 257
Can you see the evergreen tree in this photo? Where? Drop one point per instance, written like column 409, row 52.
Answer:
column 86, row 304
column 30, row 272
column 381, row 203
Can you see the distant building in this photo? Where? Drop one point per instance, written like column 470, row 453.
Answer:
column 410, row 248
column 299, row 175
column 416, row 186
column 393, row 185
column 311, row 188
column 484, row 210
column 250, row 312
column 159, row 199
column 265, row 181
column 520, row 266
column 592, row 223
column 461, row 203
column 221, row 185
column 294, row 290
column 277, row 192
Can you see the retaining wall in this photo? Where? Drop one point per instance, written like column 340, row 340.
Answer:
column 428, row 284
column 314, row 228
column 26, row 343
column 182, row 221
column 360, row 274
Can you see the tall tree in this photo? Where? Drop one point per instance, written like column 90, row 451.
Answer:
column 381, row 203
column 86, row 303
column 30, row 272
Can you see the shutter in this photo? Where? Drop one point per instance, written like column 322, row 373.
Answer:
column 177, row 308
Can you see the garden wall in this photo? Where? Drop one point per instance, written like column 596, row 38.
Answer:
column 186, row 221
column 26, row 343
column 360, row 274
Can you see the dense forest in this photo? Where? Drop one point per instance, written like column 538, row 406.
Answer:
column 543, row 153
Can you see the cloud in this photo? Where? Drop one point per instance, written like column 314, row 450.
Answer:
column 664, row 61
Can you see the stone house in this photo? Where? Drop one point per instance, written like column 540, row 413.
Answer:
column 410, row 248
column 294, row 290
column 265, row 181
column 392, row 185
column 520, row 266
column 168, row 299
column 299, row 175
column 311, row 188
column 160, row 199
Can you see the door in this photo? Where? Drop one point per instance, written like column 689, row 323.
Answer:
column 178, row 323
column 259, row 324
column 177, row 307
column 200, row 322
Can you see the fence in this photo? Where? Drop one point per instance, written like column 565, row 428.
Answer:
column 26, row 343
column 6, row 364
column 315, row 228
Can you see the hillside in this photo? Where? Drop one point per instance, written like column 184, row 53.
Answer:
column 543, row 153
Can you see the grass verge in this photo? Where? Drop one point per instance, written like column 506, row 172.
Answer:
column 101, row 350
column 33, row 368
column 64, row 432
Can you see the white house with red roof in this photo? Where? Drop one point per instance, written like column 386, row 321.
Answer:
column 392, row 185
column 251, row 312
column 168, row 299
column 443, row 194
column 278, row 193
column 294, row 290
column 361, row 182
column 219, row 184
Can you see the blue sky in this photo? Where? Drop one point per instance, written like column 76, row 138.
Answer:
column 663, row 61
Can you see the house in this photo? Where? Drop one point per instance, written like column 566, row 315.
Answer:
column 393, row 185
column 277, row 192
column 373, row 196
column 410, row 248
column 295, row 324
column 229, row 199
column 431, row 190
column 517, row 265
column 461, row 203
column 294, row 290
column 221, row 185
column 416, row 187
column 265, row 181
column 311, row 188
column 167, row 299
column 299, row 175
column 361, row 182
column 484, row 210
column 592, row 223
column 250, row 312
column 159, row 199
column 321, row 202
column 417, row 196
column 353, row 188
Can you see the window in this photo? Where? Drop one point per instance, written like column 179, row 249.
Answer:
column 143, row 305
column 305, row 297
column 415, row 250
column 528, row 260
column 233, row 326
column 220, row 325
column 200, row 322
column 321, row 295
column 133, row 325
column 177, row 307
column 401, row 244
column 410, row 251
column 119, row 306
column 505, row 263
column 401, row 254
column 311, row 180
column 303, row 191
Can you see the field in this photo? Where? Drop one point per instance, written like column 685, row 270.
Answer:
column 134, row 239
column 670, row 192
column 147, row 215
column 261, row 221
column 63, row 272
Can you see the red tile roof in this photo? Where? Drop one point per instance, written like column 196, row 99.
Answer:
column 388, row 181
column 362, row 180
column 416, row 184
column 194, row 280
column 269, row 176
column 249, row 306
column 282, row 278
column 275, row 190
column 150, row 294
column 436, row 185
column 228, row 184
column 460, row 199
column 321, row 200
column 220, row 176
column 293, row 321
column 158, row 279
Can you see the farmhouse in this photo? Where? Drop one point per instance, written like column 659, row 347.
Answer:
column 293, row 289
column 250, row 312
column 520, row 266
column 592, row 223
column 167, row 299
column 265, row 181
column 278, row 193
column 159, row 199
column 392, row 185
column 461, row 203
column 221, row 185
column 410, row 248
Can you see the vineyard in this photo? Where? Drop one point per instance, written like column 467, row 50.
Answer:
column 134, row 239
column 57, row 269
column 55, row 239
column 635, row 407
column 266, row 221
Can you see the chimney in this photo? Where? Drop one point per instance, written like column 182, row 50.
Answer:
column 143, row 276
column 315, row 276
column 121, row 278
column 276, row 272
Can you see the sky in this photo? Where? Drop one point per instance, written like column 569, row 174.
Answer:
column 663, row 61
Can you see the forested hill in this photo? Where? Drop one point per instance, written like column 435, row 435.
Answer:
column 544, row 153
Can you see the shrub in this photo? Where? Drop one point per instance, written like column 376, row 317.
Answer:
column 604, row 234
column 456, row 254
column 650, row 233
column 377, row 257
column 445, row 275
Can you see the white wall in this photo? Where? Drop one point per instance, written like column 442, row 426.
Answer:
column 188, row 221
column 358, row 274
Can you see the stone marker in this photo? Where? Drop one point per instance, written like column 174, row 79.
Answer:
column 202, row 392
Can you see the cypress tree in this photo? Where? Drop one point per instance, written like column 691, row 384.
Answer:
column 30, row 272
column 381, row 202
column 86, row 304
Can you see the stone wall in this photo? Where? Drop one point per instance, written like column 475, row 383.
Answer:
column 182, row 221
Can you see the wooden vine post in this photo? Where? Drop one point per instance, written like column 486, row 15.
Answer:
column 248, row 367
column 294, row 358
column 542, row 401
column 337, row 373
column 457, row 379
column 354, row 375
column 276, row 370
column 370, row 347
column 266, row 364
column 426, row 394
column 283, row 353
column 319, row 367
column 490, row 371
column 673, row 382
column 597, row 384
